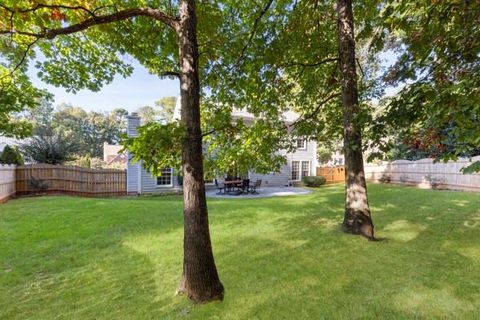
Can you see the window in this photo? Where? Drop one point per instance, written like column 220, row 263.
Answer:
column 166, row 178
column 295, row 170
column 305, row 168
column 301, row 144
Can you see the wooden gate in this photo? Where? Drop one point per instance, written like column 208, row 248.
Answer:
column 332, row 174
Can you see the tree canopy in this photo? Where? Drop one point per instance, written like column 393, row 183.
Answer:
column 438, row 71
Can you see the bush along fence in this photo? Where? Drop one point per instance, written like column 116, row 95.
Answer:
column 7, row 182
column 425, row 173
column 41, row 179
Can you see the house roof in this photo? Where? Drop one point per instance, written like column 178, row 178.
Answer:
column 110, row 150
column 288, row 116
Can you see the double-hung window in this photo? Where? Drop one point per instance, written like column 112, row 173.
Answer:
column 305, row 168
column 166, row 179
column 295, row 170
column 301, row 144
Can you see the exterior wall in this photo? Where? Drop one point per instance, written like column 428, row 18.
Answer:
column 133, row 170
column 426, row 174
column 140, row 180
column 284, row 177
column 149, row 183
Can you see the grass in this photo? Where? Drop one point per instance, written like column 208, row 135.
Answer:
column 279, row 258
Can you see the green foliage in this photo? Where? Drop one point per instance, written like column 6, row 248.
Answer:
column 16, row 95
column 157, row 145
column 51, row 147
column 87, row 162
column 438, row 43
column 237, row 147
column 230, row 33
column 11, row 155
column 313, row 181
column 166, row 107
column 472, row 168
column 147, row 113
column 324, row 153
column 87, row 130
column 162, row 112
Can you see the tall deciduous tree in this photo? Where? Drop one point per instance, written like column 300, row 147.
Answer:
column 314, row 51
column 437, row 45
column 357, row 218
column 87, row 53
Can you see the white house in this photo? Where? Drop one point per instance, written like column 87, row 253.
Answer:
column 300, row 163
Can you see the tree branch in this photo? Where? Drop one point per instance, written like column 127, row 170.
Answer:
column 170, row 74
column 316, row 110
column 254, row 30
column 303, row 64
column 98, row 20
column 208, row 132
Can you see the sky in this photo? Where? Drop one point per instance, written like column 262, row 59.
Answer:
column 140, row 89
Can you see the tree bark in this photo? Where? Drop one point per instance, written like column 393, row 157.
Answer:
column 357, row 218
column 200, row 281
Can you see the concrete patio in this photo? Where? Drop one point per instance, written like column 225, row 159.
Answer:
column 264, row 192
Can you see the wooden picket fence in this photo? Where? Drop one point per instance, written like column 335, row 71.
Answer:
column 332, row 174
column 53, row 179
column 7, row 182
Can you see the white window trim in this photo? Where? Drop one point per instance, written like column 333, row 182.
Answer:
column 166, row 185
column 299, row 170
column 304, row 143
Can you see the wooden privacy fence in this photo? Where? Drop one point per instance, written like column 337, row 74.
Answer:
column 426, row 173
column 53, row 179
column 332, row 174
column 7, row 182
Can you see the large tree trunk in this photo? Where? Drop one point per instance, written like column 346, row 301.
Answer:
column 357, row 218
column 200, row 281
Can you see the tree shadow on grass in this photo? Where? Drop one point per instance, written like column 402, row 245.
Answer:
column 278, row 258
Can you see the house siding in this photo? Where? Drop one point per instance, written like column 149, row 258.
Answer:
column 140, row 180
column 133, row 122
column 149, row 183
column 284, row 177
column 136, row 173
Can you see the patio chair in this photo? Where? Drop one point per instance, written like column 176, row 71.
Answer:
column 246, row 185
column 220, row 187
column 253, row 188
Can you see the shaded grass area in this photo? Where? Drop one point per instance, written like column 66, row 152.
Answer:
column 279, row 258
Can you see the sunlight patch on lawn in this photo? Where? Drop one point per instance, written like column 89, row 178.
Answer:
column 402, row 230
column 431, row 303
column 473, row 222
column 471, row 252
column 327, row 224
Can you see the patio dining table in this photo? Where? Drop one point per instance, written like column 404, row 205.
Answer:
column 233, row 184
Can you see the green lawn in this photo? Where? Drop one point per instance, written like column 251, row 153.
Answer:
column 279, row 258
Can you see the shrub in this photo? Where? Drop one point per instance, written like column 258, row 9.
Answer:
column 314, row 181
column 385, row 178
column 50, row 147
column 11, row 156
